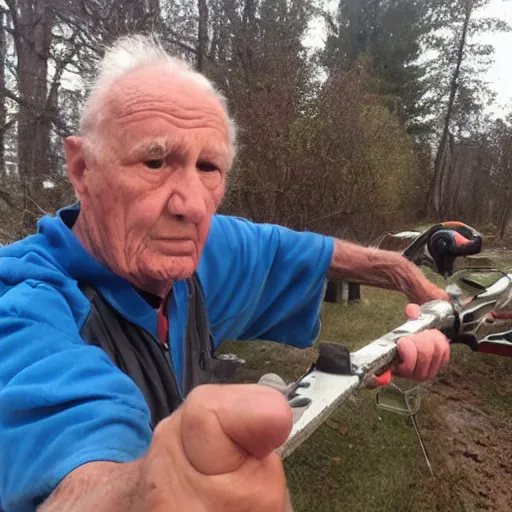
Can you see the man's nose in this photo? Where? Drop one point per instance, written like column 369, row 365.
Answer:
column 187, row 198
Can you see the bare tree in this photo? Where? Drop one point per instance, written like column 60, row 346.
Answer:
column 440, row 163
column 202, row 34
column 32, row 29
column 461, row 61
column 3, row 108
column 501, row 174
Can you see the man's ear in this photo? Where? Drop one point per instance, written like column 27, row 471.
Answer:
column 76, row 166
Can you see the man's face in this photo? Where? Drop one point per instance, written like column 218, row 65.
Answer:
column 151, row 194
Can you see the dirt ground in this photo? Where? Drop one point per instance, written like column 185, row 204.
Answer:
column 470, row 440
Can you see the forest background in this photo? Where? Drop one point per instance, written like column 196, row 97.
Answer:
column 355, row 117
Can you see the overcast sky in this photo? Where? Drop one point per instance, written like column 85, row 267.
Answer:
column 499, row 74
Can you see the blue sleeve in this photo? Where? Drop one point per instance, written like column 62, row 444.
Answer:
column 62, row 402
column 264, row 281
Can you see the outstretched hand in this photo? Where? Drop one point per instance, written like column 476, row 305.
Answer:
column 216, row 453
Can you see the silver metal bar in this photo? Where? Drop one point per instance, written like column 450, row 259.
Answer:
column 417, row 430
column 423, row 449
column 327, row 391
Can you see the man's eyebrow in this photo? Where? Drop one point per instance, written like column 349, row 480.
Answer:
column 157, row 148
column 213, row 154
column 218, row 152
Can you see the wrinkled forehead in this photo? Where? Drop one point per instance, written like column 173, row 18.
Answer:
column 140, row 101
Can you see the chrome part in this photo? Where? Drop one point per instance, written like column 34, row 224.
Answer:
column 474, row 316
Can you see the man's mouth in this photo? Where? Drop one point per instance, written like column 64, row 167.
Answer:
column 175, row 238
column 176, row 245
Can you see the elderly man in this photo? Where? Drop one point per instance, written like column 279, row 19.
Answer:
column 109, row 315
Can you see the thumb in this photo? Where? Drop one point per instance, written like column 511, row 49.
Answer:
column 412, row 311
column 223, row 425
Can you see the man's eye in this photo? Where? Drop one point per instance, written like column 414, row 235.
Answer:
column 207, row 167
column 154, row 164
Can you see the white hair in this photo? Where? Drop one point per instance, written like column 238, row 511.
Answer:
column 129, row 53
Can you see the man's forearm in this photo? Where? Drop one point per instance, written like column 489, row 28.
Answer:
column 99, row 487
column 384, row 269
column 366, row 265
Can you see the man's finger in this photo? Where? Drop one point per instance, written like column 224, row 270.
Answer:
column 445, row 347
column 259, row 420
column 222, row 425
column 446, row 354
column 439, row 294
column 426, row 353
column 408, row 354
column 438, row 341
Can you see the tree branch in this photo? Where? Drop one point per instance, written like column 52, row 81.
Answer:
column 44, row 212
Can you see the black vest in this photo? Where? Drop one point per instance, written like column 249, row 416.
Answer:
column 138, row 354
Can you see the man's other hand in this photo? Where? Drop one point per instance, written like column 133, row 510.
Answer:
column 421, row 355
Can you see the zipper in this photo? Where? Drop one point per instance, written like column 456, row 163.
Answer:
column 164, row 347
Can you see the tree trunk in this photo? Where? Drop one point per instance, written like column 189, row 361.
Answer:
column 436, row 189
column 3, row 110
column 202, row 34
column 32, row 37
column 504, row 221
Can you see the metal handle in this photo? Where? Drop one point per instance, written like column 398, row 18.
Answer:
column 325, row 392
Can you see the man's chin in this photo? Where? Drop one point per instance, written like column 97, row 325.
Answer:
column 177, row 270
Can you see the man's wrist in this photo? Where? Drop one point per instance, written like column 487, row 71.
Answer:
column 100, row 487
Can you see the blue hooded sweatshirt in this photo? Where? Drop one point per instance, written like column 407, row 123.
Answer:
column 63, row 403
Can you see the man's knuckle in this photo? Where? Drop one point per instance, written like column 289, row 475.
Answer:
column 406, row 370
column 198, row 410
column 197, row 395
